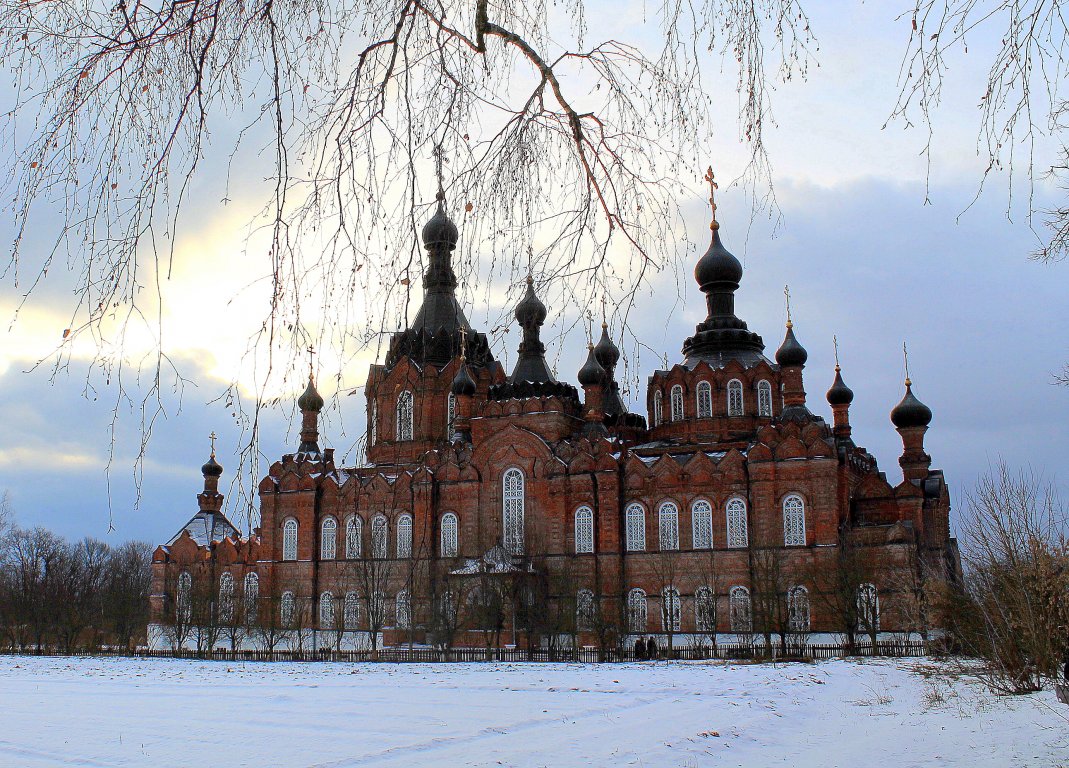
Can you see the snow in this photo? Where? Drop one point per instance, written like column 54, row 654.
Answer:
column 126, row 712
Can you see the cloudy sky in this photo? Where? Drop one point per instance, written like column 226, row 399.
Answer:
column 865, row 257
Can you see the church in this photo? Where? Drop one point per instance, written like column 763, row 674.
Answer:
column 510, row 508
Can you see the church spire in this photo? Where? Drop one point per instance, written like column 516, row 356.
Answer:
column 311, row 403
column 531, row 364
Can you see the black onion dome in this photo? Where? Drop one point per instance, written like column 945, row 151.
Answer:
column 592, row 373
column 310, row 400
column 605, row 351
column 463, row 383
column 212, row 468
column 530, row 311
column 791, row 354
column 911, row 412
column 718, row 265
column 840, row 394
column 440, row 230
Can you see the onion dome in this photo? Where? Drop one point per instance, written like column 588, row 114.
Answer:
column 718, row 265
column 791, row 354
column 440, row 230
column 310, row 400
column 911, row 412
column 592, row 373
column 463, row 383
column 530, row 311
column 605, row 351
column 212, row 468
column 840, row 394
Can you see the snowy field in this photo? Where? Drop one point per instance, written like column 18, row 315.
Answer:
column 122, row 712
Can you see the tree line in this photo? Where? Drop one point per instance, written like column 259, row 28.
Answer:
column 68, row 596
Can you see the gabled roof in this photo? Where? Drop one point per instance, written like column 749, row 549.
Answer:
column 206, row 527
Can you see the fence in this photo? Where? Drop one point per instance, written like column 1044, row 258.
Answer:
column 401, row 655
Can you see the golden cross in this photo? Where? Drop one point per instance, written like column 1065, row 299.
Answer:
column 711, row 178
column 905, row 361
column 311, row 354
column 787, row 294
column 212, row 438
column 835, row 341
column 463, row 343
column 604, row 316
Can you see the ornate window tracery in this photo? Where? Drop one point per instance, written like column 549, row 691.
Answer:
column 701, row 521
column 403, row 607
column 798, row 609
column 287, row 610
column 379, row 531
column 449, row 545
column 741, row 616
column 584, row 530
column 736, row 523
column 636, row 610
column 764, row 399
column 226, row 596
column 705, row 400
column 512, row 500
column 677, row 403
column 251, row 596
column 735, row 405
column 704, row 609
column 404, row 415
column 794, row 521
column 635, row 523
column 668, row 526
column 658, row 408
column 328, row 541
column 326, row 610
column 670, row 609
column 353, row 536
column 404, row 536
column 289, row 539
column 451, row 416
column 584, row 610
column 351, row 611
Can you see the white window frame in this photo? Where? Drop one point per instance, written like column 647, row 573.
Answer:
column 403, row 610
column 251, row 595
column 326, row 610
column 351, row 611
column 373, row 423
column 450, row 536
column 287, row 609
column 704, row 609
column 513, row 487
column 701, row 524
column 328, row 539
column 798, row 615
column 584, row 610
column 764, row 399
column 793, row 520
column 668, row 526
column 354, row 530
column 380, row 537
column 738, row 534
column 184, row 597
column 637, row 612
column 404, row 412
column 226, row 596
column 635, row 527
column 704, row 400
column 450, row 416
column 740, row 610
column 671, row 610
column 404, row 536
column 676, row 401
column 290, row 533
column 658, row 408
column 735, row 401
column 584, row 530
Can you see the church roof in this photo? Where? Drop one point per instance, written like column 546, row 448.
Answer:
column 206, row 527
column 496, row 560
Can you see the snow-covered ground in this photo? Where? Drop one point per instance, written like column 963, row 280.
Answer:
column 121, row 712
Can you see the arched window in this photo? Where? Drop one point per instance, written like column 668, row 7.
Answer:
column 351, row 611
column 404, row 415
column 668, row 526
column 670, row 613
column 404, row 536
column 379, row 528
column 793, row 521
column 764, row 399
column 584, row 530
column 658, row 408
column 584, row 610
column 185, row 597
column 328, row 542
column 354, row 528
column 868, row 608
column 705, row 400
column 635, row 522
column 736, row 515
column 735, row 407
column 636, row 610
column 373, row 423
column 450, row 416
column 701, row 523
column 226, row 596
column 403, row 607
column 251, row 595
column 512, row 510
column 704, row 610
column 739, row 606
column 326, row 610
column 798, row 609
column 449, row 535
column 287, row 610
column 377, row 608
column 677, row 403
column 289, row 539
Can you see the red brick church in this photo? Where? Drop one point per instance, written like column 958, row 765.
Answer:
column 509, row 507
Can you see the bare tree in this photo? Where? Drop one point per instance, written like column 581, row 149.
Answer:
column 837, row 590
column 1016, row 598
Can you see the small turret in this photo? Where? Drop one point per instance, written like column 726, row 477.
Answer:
column 531, row 364
column 210, row 500
column 594, row 380
column 311, row 403
column 839, row 398
column 911, row 418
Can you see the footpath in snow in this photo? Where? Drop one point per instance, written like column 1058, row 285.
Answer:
column 854, row 714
